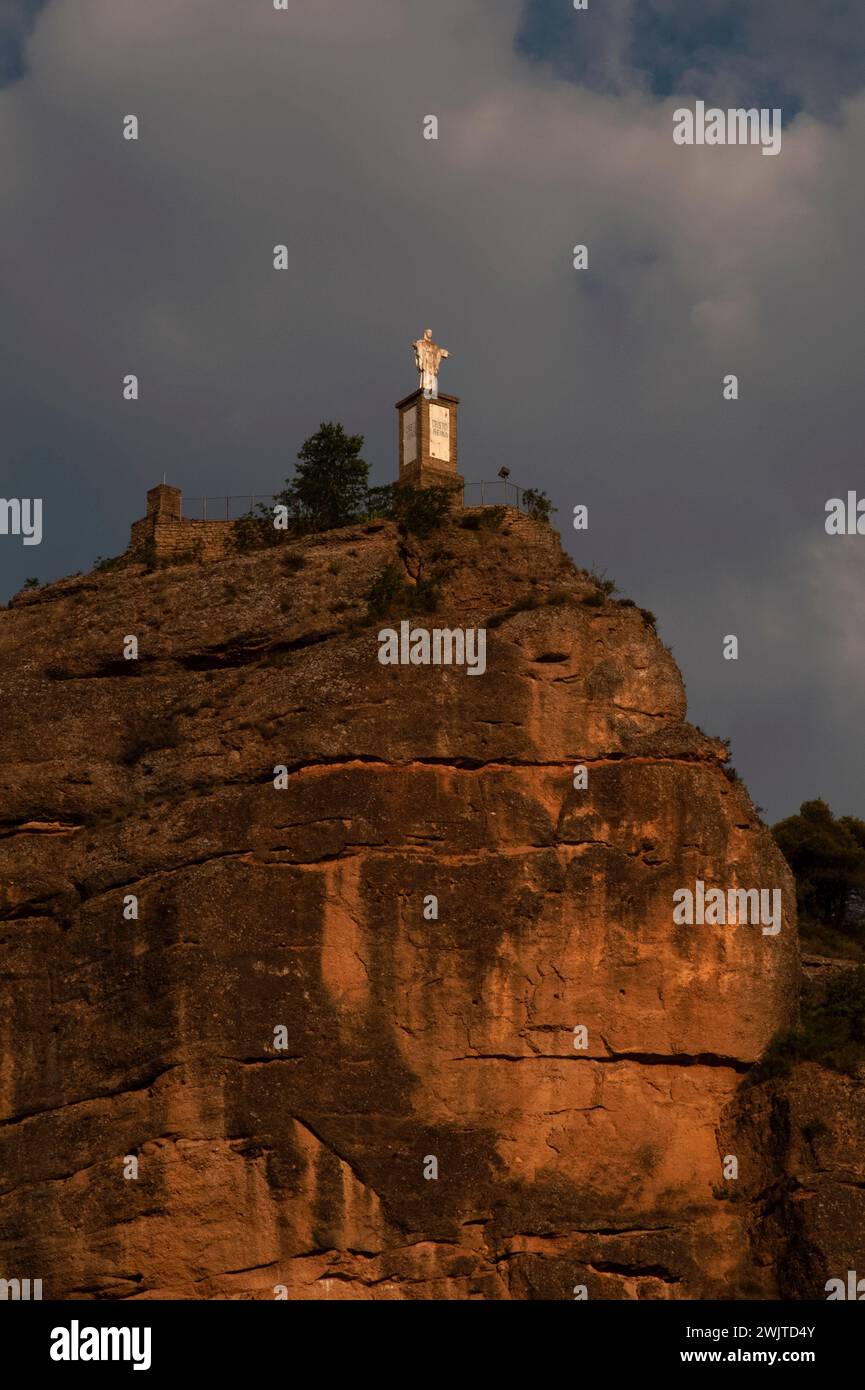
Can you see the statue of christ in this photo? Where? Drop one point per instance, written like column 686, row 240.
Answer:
column 428, row 356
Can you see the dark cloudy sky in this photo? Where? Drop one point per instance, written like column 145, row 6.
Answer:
column 604, row 387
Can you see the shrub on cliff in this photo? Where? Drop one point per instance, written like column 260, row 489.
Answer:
column 390, row 594
column 537, row 504
column 832, row 1032
column 607, row 586
column 385, row 592
column 257, row 532
column 418, row 511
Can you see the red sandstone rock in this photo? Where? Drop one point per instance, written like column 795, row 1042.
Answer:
column 303, row 907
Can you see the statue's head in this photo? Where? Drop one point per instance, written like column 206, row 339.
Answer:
column 427, row 332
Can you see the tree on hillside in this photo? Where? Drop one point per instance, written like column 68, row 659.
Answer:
column 827, row 857
column 330, row 489
column 329, row 486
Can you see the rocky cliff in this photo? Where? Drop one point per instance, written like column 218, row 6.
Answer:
column 342, row 1037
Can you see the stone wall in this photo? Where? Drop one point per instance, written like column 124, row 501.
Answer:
column 521, row 525
column 172, row 536
column 207, row 540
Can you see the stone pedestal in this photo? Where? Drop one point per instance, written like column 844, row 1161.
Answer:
column 428, row 442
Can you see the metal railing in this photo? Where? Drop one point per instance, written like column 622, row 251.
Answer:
column 211, row 508
column 498, row 493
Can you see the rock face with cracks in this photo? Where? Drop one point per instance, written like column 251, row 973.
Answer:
column 301, row 907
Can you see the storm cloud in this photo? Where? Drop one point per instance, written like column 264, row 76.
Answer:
column 603, row 386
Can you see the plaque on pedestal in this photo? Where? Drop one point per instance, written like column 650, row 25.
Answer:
column 428, row 441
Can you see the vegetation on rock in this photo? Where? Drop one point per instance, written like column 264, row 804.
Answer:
column 537, row 504
column 832, row 1031
column 827, row 856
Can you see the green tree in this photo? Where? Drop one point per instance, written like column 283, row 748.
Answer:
column 827, row 857
column 329, row 486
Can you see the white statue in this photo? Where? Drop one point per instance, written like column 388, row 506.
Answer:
column 428, row 356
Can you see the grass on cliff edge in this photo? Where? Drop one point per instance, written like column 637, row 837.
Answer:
column 832, row 1033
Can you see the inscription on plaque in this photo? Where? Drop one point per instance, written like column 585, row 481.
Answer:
column 440, row 432
column 409, row 436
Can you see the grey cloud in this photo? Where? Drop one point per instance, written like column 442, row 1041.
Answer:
column 604, row 387
column 791, row 53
